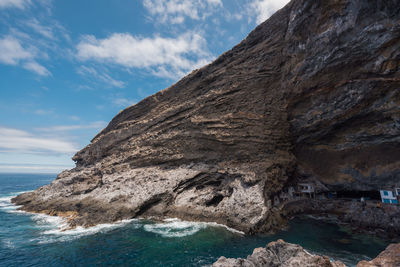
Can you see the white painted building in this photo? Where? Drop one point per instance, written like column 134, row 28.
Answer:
column 306, row 188
column 389, row 197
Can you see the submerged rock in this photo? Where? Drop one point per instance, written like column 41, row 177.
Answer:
column 311, row 92
column 278, row 254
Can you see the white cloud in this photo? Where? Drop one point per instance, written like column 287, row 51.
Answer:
column 175, row 11
column 74, row 118
column 64, row 128
column 167, row 56
column 31, row 168
column 102, row 77
column 13, row 140
column 43, row 112
column 123, row 102
column 14, row 3
column 46, row 31
column 37, row 68
column 11, row 51
column 263, row 9
column 215, row 2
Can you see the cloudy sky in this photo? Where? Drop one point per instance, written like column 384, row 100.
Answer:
column 68, row 67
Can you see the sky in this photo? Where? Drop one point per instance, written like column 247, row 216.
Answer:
column 67, row 67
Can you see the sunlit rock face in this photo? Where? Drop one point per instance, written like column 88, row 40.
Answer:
column 313, row 92
column 282, row 254
column 279, row 254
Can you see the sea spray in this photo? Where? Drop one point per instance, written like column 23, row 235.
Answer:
column 174, row 227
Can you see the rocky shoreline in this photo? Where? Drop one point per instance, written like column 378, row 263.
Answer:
column 311, row 94
column 282, row 254
column 368, row 217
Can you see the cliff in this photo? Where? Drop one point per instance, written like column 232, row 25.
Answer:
column 313, row 92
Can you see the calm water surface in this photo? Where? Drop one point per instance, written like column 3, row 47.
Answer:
column 35, row 240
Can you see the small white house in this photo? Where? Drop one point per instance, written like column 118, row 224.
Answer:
column 287, row 194
column 306, row 188
column 389, row 197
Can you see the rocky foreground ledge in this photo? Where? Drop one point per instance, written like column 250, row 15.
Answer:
column 282, row 254
column 311, row 93
column 366, row 217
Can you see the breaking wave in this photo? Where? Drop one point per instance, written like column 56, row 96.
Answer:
column 5, row 202
column 57, row 229
column 54, row 228
column 174, row 227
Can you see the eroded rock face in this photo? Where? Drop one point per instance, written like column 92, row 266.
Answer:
column 311, row 92
column 362, row 217
column 279, row 254
column 390, row 257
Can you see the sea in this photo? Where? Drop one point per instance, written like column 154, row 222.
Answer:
column 28, row 239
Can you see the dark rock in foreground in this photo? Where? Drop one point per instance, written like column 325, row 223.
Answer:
column 282, row 254
column 390, row 257
column 279, row 254
column 313, row 93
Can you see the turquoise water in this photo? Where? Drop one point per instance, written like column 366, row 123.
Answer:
column 35, row 240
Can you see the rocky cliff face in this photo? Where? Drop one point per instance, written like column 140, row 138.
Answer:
column 311, row 92
column 280, row 253
column 390, row 257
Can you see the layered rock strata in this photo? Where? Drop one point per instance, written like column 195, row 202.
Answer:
column 390, row 257
column 313, row 92
column 279, row 254
column 282, row 254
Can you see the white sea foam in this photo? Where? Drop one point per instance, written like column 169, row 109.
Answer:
column 5, row 201
column 6, row 205
column 47, row 221
column 7, row 243
column 214, row 224
column 173, row 227
column 58, row 232
column 54, row 228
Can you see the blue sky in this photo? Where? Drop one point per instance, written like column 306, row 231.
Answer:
column 68, row 67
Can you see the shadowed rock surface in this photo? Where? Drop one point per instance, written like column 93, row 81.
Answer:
column 279, row 254
column 382, row 220
column 390, row 257
column 313, row 92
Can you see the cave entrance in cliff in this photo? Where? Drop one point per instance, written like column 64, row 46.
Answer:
column 352, row 194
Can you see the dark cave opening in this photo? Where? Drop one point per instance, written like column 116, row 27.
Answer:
column 373, row 194
column 215, row 201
